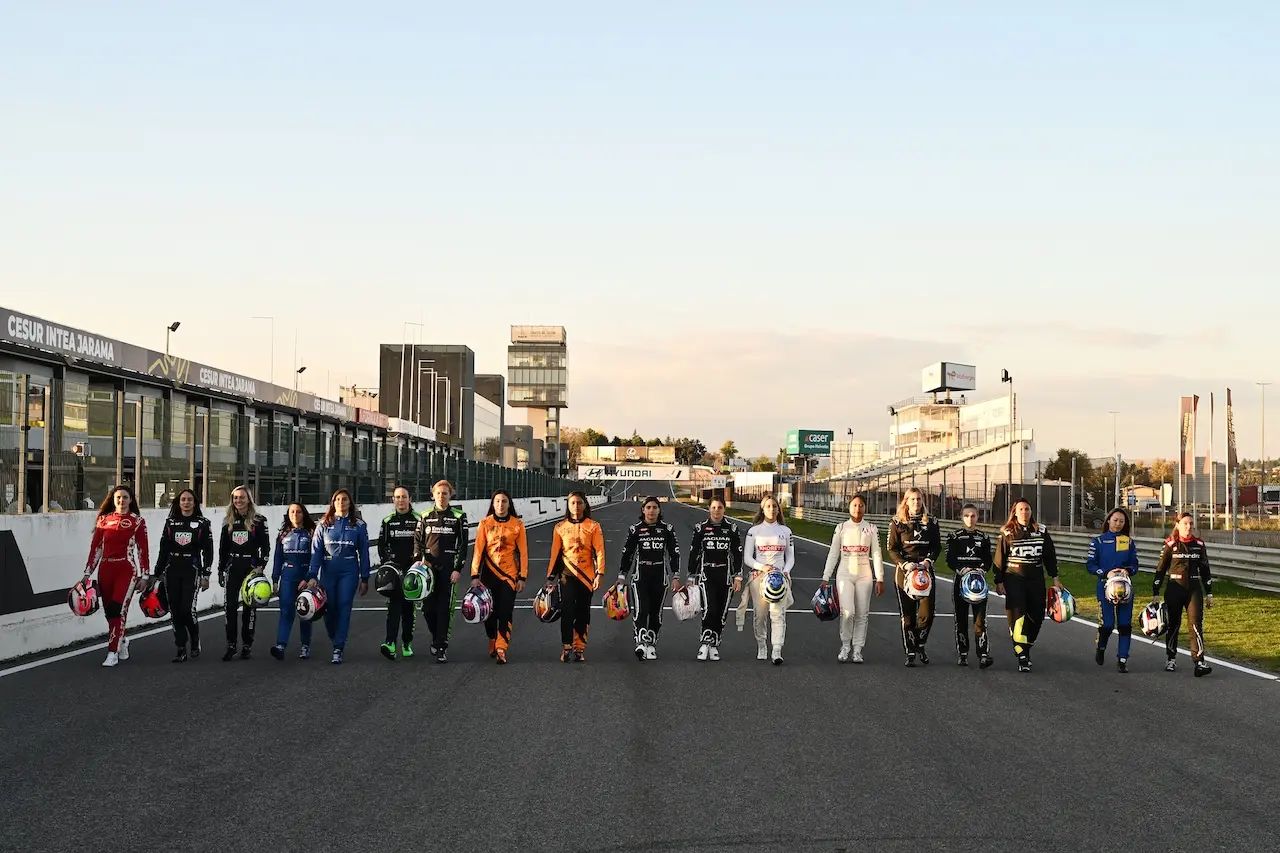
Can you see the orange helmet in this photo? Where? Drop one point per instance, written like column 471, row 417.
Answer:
column 546, row 604
column 616, row 605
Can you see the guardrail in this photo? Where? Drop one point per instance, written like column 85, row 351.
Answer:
column 1256, row 568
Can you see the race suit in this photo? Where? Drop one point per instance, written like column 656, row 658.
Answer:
column 1109, row 552
column 715, row 559
column 968, row 551
column 1186, row 562
column 769, row 547
column 1023, row 556
column 242, row 550
column 648, row 551
column 918, row 541
column 577, row 562
column 119, row 553
column 340, row 560
column 441, row 544
column 395, row 546
column 855, row 561
column 501, row 562
column 185, row 559
column 290, row 566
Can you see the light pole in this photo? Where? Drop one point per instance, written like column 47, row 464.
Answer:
column 1008, row 492
column 1262, row 486
column 404, row 343
column 1115, row 455
column 272, row 321
column 297, row 373
column 172, row 327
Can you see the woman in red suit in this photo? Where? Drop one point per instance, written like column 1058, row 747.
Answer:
column 120, row 554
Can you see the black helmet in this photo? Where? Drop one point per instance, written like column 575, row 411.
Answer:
column 387, row 580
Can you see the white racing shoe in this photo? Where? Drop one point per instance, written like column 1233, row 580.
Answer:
column 762, row 652
column 843, row 657
column 857, row 655
column 713, row 653
column 112, row 659
column 703, row 652
column 124, row 648
column 650, row 652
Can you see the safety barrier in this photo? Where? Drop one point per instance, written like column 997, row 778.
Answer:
column 43, row 555
column 1257, row 568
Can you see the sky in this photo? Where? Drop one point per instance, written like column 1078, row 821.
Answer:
column 749, row 216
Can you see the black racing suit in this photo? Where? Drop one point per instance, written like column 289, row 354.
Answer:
column 440, row 541
column 715, row 559
column 649, row 548
column 1023, row 556
column 395, row 546
column 918, row 541
column 243, row 549
column 1186, row 562
column 186, row 558
column 968, row 550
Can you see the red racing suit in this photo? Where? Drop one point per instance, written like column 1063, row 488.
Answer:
column 120, row 554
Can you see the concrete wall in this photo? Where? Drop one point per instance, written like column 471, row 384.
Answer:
column 52, row 548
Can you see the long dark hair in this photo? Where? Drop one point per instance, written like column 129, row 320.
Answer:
column 175, row 508
column 1107, row 524
column 308, row 523
column 1173, row 534
column 1013, row 516
column 108, row 504
column 353, row 515
column 650, row 500
column 586, row 506
column 511, row 504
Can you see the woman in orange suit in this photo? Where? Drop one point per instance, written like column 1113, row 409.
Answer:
column 577, row 562
column 500, row 563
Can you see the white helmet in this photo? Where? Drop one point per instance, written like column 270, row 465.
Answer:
column 917, row 583
column 1118, row 588
column 687, row 602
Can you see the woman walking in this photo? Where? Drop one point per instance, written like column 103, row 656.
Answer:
column 243, row 550
column 577, row 564
column 769, row 551
column 1186, row 563
column 185, row 562
column 119, row 553
column 289, row 575
column 1109, row 552
column 501, row 564
column 340, row 563
column 915, row 541
column 854, row 560
column 1024, row 555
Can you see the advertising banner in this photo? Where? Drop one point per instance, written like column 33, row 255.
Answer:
column 809, row 442
column 1232, row 462
column 621, row 471
column 948, row 376
column 1187, row 416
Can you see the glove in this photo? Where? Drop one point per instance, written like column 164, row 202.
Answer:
column 1208, row 600
column 222, row 579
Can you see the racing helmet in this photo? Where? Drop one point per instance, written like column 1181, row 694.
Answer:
column 477, row 604
column 774, row 587
column 973, row 586
column 616, row 605
column 388, row 579
column 418, row 582
column 310, row 604
column 1154, row 619
column 255, row 591
column 154, row 600
column 917, row 583
column 546, row 604
column 826, row 603
column 687, row 602
column 83, row 598
column 1060, row 605
column 1119, row 587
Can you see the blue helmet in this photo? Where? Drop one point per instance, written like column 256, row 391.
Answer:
column 775, row 587
column 973, row 587
column 826, row 603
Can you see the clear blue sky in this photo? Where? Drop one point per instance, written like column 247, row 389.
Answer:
column 827, row 194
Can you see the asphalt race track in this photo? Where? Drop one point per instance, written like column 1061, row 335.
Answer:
column 619, row 755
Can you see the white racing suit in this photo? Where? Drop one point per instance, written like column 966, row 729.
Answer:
column 857, row 564
column 768, row 548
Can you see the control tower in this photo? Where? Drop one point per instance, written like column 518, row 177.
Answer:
column 537, row 380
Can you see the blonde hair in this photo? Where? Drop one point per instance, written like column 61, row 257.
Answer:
column 778, row 519
column 250, row 513
column 902, row 516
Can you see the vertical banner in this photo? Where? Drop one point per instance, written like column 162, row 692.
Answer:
column 1187, row 449
column 1232, row 461
column 1208, row 460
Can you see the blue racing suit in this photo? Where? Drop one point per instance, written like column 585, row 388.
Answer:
column 340, row 559
column 1108, row 552
column 292, row 561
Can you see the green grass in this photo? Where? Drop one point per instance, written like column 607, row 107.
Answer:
column 1243, row 626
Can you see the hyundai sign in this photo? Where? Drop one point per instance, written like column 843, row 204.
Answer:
column 809, row 442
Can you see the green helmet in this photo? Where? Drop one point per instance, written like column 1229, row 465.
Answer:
column 417, row 583
column 255, row 591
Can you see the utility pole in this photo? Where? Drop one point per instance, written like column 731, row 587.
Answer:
column 1262, row 487
column 1008, row 493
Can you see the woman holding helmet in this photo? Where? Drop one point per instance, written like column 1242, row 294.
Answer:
column 651, row 545
column 914, row 543
column 119, row 553
column 243, row 550
column 1113, row 558
column 500, row 563
column 340, row 560
column 715, row 561
column 577, row 564
column 185, row 562
column 769, row 553
column 1186, row 563
column 856, row 563
column 1024, row 554
column 289, row 576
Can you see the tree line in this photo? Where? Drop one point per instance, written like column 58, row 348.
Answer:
column 688, row 450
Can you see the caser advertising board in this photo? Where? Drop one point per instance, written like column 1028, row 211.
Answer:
column 809, row 442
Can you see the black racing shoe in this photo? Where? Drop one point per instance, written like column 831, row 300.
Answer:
column 963, row 661
column 181, row 656
column 277, row 651
column 1171, row 665
column 229, row 654
column 246, row 653
column 984, row 661
column 580, row 656
column 1100, row 656
column 924, row 658
column 441, row 657
column 1202, row 668
column 195, row 649
column 566, row 654
column 1024, row 663
column 1122, row 665
column 911, row 660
